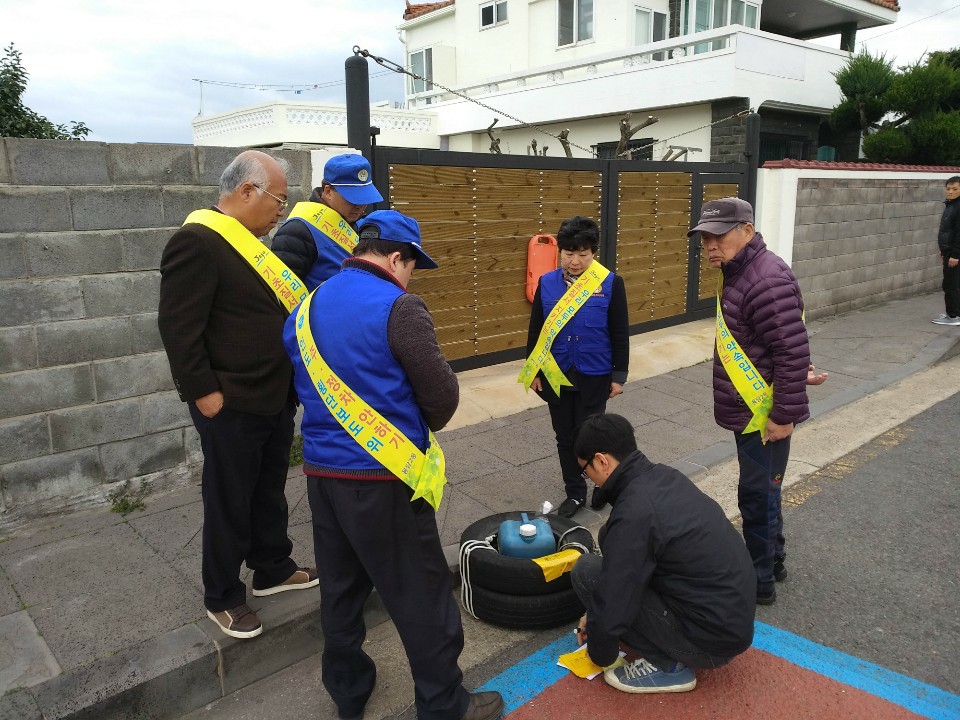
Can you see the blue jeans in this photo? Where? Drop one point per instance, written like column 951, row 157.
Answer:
column 761, row 476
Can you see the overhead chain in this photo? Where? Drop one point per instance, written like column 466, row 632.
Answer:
column 397, row 68
column 390, row 65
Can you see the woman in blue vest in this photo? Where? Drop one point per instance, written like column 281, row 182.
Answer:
column 592, row 350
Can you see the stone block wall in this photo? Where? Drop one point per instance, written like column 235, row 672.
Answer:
column 864, row 241
column 728, row 139
column 86, row 398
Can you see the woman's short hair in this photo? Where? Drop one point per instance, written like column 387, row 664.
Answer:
column 578, row 233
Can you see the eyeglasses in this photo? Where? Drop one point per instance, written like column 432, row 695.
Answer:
column 583, row 470
column 283, row 203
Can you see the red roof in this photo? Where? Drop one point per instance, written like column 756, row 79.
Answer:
column 889, row 4
column 824, row 165
column 415, row 11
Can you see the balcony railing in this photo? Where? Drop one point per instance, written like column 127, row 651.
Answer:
column 673, row 51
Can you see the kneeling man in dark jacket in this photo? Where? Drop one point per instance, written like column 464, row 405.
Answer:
column 675, row 589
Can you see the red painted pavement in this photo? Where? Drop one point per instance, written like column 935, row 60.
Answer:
column 754, row 686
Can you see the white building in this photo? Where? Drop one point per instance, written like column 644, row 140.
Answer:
column 581, row 65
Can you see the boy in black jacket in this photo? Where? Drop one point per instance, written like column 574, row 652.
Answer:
column 675, row 588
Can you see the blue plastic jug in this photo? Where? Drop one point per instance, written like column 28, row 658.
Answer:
column 526, row 538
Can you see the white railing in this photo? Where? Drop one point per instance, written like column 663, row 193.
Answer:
column 684, row 49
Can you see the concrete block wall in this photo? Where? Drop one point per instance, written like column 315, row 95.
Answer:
column 86, row 398
column 863, row 241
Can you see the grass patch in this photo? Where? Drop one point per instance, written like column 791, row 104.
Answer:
column 125, row 500
column 296, row 451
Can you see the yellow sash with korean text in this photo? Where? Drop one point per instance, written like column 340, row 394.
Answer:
column 748, row 382
column 424, row 473
column 572, row 300
column 281, row 279
column 328, row 221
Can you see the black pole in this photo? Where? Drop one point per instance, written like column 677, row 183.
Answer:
column 358, row 104
column 752, row 156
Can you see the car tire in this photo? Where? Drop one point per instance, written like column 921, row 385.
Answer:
column 490, row 570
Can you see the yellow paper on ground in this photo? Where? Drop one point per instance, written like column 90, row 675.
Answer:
column 579, row 663
column 555, row 565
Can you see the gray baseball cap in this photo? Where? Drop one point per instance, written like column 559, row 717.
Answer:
column 720, row 216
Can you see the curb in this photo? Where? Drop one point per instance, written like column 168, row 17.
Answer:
column 182, row 670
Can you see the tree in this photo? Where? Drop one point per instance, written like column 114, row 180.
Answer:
column 16, row 119
column 908, row 115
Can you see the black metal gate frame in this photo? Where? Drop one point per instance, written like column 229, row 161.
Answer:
column 701, row 174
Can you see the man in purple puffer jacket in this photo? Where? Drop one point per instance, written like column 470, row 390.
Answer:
column 763, row 310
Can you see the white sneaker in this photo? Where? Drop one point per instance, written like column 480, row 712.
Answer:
column 946, row 320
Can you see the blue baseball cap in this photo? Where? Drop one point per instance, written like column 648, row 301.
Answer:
column 395, row 226
column 350, row 176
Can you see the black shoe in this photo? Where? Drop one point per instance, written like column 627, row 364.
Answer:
column 779, row 571
column 767, row 598
column 484, row 706
column 598, row 499
column 568, row 508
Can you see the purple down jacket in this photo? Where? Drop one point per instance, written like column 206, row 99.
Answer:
column 763, row 308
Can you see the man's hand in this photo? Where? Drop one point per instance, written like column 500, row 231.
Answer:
column 615, row 389
column 953, row 262
column 774, row 432
column 210, row 405
column 582, row 627
column 815, row 378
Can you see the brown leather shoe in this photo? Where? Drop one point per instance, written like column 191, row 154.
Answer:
column 484, row 706
column 301, row 579
column 238, row 622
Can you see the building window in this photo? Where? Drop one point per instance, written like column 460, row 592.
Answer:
column 494, row 13
column 700, row 15
column 641, row 149
column 575, row 21
column 775, row 146
column 649, row 26
column 421, row 63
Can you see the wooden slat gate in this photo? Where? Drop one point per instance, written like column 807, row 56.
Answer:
column 477, row 213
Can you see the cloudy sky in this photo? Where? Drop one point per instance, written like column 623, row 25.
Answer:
column 126, row 68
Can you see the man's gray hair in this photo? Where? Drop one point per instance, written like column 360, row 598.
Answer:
column 246, row 167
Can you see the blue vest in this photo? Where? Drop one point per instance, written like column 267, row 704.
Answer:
column 584, row 342
column 353, row 341
column 330, row 255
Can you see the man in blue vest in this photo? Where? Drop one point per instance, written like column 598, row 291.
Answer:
column 314, row 250
column 380, row 342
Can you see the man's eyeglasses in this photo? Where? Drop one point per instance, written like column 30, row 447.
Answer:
column 583, row 470
column 283, row 203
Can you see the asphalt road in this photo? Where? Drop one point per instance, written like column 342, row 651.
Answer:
column 873, row 546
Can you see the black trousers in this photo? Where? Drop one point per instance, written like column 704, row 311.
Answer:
column 566, row 413
column 368, row 534
column 951, row 288
column 758, row 494
column 245, row 462
column 656, row 634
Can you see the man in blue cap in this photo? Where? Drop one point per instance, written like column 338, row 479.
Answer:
column 366, row 357
column 321, row 233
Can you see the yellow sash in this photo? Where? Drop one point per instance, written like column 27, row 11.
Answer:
column 572, row 300
column 281, row 279
column 752, row 387
column 328, row 221
column 425, row 474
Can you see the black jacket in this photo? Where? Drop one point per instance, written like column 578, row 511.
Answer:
column 665, row 535
column 221, row 325
column 948, row 237
column 294, row 244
